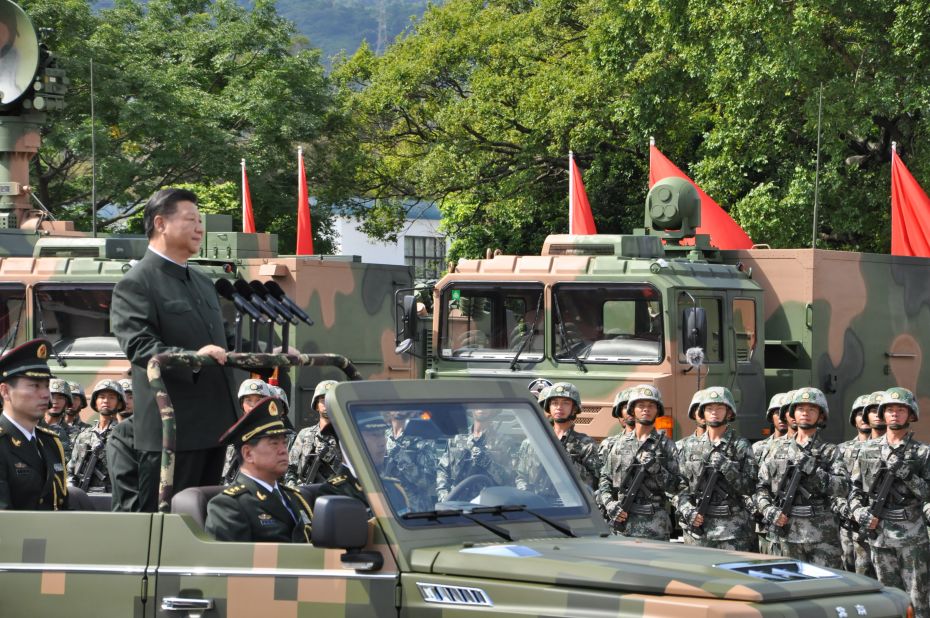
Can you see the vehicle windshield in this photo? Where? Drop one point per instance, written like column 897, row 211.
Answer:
column 11, row 315
column 455, row 456
column 492, row 322
column 76, row 319
column 607, row 323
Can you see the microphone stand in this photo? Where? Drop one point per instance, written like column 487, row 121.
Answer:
column 285, row 336
column 270, row 342
column 238, row 347
column 253, row 345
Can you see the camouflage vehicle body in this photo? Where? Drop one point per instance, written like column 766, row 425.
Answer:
column 167, row 560
column 777, row 320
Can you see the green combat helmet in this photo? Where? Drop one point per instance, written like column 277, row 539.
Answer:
column 873, row 401
column 253, row 386
column 59, row 387
column 718, row 394
column 126, row 385
column 775, row 404
column 108, row 385
column 538, row 385
column 622, row 398
column 694, row 405
column 812, row 396
column 647, row 392
column 320, row 391
column 563, row 389
column 78, row 390
column 785, row 404
column 541, row 397
column 278, row 392
column 898, row 395
column 858, row 407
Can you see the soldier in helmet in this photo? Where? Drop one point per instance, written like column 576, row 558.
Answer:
column 251, row 391
column 256, row 507
column 537, row 386
column 32, row 462
column 890, row 498
column 761, row 450
column 73, row 422
column 640, row 469
column 875, row 420
column 699, row 425
column 619, row 413
column 805, row 529
column 855, row 543
column 88, row 466
column 482, row 452
column 410, row 458
column 315, row 454
column 561, row 404
column 54, row 418
column 126, row 412
column 791, row 425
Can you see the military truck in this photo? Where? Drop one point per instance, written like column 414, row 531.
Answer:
column 490, row 550
column 609, row 311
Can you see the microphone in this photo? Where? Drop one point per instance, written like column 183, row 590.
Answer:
column 243, row 288
column 275, row 290
column 259, row 288
column 225, row 289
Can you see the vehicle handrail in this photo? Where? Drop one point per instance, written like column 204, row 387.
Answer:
column 240, row 360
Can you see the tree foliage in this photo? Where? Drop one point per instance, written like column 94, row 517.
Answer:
column 183, row 90
column 478, row 108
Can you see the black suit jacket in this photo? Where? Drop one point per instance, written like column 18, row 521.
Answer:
column 159, row 306
column 29, row 481
column 246, row 511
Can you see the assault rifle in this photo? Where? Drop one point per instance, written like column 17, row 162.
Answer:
column 314, row 468
column 89, row 470
column 789, row 493
column 710, row 489
column 638, row 472
column 879, row 500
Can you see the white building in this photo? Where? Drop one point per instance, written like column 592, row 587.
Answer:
column 419, row 243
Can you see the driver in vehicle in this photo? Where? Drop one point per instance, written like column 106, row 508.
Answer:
column 256, row 508
column 482, row 457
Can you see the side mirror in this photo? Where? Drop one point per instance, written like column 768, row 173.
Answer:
column 694, row 328
column 340, row 522
column 405, row 324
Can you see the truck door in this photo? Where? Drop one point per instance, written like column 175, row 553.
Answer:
column 748, row 362
column 197, row 576
column 716, row 370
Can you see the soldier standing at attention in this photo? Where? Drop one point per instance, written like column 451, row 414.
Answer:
column 32, row 460
column 720, row 466
column 791, row 424
column 126, row 412
column 54, row 418
column 256, row 508
column 761, row 450
column 641, row 467
column 699, row 425
column 619, row 413
column 481, row 451
column 315, row 455
column 163, row 305
column 874, row 417
column 899, row 465
column 562, row 404
column 85, row 470
column 73, row 422
column 856, row 556
column 251, row 391
column 805, row 530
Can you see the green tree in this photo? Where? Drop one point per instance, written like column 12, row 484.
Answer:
column 183, row 90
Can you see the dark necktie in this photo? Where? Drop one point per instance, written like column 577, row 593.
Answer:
column 38, row 447
column 283, row 500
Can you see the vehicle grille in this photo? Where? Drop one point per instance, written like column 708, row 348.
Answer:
column 454, row 595
column 779, row 571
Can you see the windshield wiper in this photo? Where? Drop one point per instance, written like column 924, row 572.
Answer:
column 519, row 508
column 504, row 534
column 571, row 349
column 530, row 336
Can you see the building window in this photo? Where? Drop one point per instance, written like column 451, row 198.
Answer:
column 426, row 254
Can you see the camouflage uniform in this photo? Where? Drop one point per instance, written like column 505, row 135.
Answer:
column 812, row 532
column 728, row 523
column 231, row 462
column 489, row 454
column 411, row 460
column 855, row 544
column 62, row 432
column 621, row 399
column 89, row 440
column 312, row 443
column 900, row 548
column 760, row 451
column 74, row 428
column 60, row 387
column 648, row 517
column 581, row 448
column 583, row 453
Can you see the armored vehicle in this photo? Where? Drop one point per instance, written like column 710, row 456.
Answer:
column 487, row 549
column 663, row 306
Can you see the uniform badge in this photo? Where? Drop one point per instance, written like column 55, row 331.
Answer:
column 328, row 386
column 714, row 395
column 560, row 390
column 16, row 441
column 18, row 465
column 805, row 396
column 260, row 495
column 265, row 519
column 255, row 386
column 896, row 395
column 42, row 351
column 272, row 409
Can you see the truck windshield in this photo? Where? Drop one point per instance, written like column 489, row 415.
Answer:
column 76, row 319
column 12, row 302
column 607, row 323
column 456, row 456
column 492, row 322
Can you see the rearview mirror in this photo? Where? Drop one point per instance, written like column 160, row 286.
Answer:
column 405, row 321
column 341, row 522
column 694, row 328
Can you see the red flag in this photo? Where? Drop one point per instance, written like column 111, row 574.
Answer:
column 725, row 233
column 248, row 219
column 304, row 229
column 910, row 212
column 580, row 219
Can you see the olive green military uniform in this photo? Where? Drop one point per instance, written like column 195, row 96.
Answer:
column 123, row 464
column 313, row 443
column 247, row 511
column 761, row 450
column 489, row 454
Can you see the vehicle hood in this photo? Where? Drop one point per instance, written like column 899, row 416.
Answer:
column 633, row 566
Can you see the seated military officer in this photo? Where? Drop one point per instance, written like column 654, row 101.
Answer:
column 32, row 461
column 255, row 507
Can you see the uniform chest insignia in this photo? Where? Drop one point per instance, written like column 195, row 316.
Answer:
column 338, row 480
column 265, row 519
column 260, row 495
column 19, row 465
column 16, row 441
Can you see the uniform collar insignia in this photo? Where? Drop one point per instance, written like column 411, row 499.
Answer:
column 260, row 495
column 16, row 441
column 264, row 516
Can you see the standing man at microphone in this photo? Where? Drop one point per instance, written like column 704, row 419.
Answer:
column 165, row 305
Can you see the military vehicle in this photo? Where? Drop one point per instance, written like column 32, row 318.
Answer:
column 609, row 311
column 487, row 549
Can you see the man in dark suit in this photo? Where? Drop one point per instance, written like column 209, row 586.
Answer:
column 256, row 508
column 164, row 305
column 32, row 460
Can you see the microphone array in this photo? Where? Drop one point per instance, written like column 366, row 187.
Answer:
column 265, row 304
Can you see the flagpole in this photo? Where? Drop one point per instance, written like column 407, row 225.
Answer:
column 571, row 190
column 817, row 172
column 242, row 180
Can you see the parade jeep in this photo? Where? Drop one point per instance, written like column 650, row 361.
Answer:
column 487, row 549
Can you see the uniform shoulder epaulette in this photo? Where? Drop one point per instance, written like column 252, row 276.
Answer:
column 235, row 490
column 2, row 431
column 336, row 481
column 47, row 431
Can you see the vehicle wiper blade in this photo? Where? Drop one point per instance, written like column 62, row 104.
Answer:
column 460, row 513
column 530, row 336
column 519, row 508
column 564, row 335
